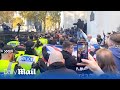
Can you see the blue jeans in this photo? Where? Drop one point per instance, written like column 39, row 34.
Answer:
column 79, row 35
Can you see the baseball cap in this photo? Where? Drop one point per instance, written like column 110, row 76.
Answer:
column 8, row 49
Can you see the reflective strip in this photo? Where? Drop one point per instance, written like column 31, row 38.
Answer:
column 9, row 66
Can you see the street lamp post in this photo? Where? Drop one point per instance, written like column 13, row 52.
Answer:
column 36, row 21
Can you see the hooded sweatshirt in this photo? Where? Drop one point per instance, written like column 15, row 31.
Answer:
column 116, row 56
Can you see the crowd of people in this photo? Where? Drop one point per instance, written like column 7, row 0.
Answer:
column 30, row 52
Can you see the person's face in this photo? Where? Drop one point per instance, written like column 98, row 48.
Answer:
column 70, row 49
column 11, row 56
column 89, row 37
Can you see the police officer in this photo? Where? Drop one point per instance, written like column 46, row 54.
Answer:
column 29, row 57
column 26, row 61
column 7, row 66
column 38, row 48
column 14, row 41
column 43, row 40
column 20, row 49
column 41, row 64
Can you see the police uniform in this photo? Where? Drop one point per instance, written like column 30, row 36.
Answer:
column 39, row 51
column 44, row 41
column 20, row 53
column 13, row 43
column 7, row 67
column 25, row 61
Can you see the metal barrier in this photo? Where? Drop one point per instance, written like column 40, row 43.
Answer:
column 6, row 36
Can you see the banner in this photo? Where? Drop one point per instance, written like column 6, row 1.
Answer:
column 51, row 48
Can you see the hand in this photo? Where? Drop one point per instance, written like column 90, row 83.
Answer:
column 92, row 65
column 81, row 30
column 92, row 48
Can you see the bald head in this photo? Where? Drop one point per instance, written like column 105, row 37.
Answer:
column 89, row 37
column 55, row 56
column 93, row 41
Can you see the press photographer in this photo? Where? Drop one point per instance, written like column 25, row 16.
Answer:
column 80, row 25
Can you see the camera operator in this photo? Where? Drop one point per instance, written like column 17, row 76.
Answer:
column 80, row 25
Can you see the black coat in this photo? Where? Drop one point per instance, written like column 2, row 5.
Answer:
column 53, row 42
column 80, row 24
column 70, row 61
column 40, row 65
column 58, row 70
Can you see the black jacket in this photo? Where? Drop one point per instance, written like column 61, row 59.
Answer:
column 70, row 61
column 45, row 54
column 40, row 65
column 53, row 42
column 17, row 67
column 58, row 70
column 80, row 24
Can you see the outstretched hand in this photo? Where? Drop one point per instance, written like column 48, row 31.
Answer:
column 92, row 65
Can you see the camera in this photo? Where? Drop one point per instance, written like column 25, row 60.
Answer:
column 82, row 51
column 80, row 24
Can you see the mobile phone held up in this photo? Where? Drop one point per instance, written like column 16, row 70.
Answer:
column 82, row 51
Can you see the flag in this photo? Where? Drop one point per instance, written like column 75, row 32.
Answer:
column 51, row 48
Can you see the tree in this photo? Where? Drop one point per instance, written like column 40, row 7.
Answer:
column 35, row 16
column 16, row 21
column 55, row 17
column 30, row 15
column 42, row 17
column 49, row 23
column 6, row 16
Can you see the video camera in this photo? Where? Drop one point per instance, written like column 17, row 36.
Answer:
column 80, row 24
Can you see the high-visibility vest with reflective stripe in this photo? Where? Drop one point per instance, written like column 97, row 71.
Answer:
column 25, row 61
column 20, row 53
column 39, row 51
column 7, row 66
column 43, row 41
column 13, row 43
column 46, row 41
column 34, row 41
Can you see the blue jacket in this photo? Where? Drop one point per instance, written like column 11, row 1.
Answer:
column 116, row 55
